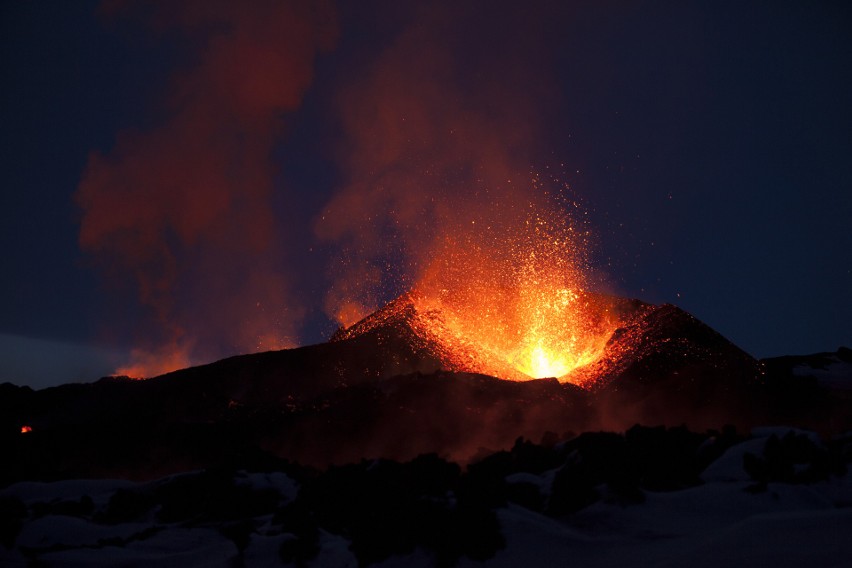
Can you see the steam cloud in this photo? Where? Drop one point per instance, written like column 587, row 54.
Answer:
column 182, row 209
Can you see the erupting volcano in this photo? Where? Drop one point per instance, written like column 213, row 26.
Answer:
column 513, row 304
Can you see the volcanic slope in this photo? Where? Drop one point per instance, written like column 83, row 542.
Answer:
column 382, row 389
column 650, row 343
column 661, row 364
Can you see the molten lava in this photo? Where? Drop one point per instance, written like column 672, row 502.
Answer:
column 526, row 339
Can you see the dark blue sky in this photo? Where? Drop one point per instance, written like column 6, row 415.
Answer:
column 710, row 143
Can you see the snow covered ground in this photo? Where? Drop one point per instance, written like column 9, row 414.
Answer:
column 729, row 520
column 833, row 371
column 717, row 524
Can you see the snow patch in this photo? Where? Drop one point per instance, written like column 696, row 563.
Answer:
column 835, row 374
column 100, row 490
column 276, row 481
column 59, row 530
column 187, row 548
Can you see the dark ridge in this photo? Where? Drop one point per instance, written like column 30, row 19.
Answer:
column 376, row 392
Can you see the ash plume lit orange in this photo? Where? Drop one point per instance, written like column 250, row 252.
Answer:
column 180, row 209
column 441, row 134
column 432, row 144
column 151, row 364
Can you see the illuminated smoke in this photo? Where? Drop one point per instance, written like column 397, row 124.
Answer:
column 182, row 208
column 442, row 198
column 441, row 133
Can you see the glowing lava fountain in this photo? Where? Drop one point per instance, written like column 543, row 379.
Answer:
column 513, row 304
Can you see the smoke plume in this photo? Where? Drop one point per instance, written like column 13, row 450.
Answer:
column 441, row 133
column 181, row 208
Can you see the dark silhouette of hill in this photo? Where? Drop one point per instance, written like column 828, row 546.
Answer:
column 378, row 390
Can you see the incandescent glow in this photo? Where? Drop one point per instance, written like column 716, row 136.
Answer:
column 515, row 304
column 543, row 363
column 26, row 429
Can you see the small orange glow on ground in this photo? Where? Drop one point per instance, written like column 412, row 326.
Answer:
column 26, row 429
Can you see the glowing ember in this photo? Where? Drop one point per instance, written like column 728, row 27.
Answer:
column 26, row 429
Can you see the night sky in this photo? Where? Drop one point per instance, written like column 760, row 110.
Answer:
column 207, row 179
